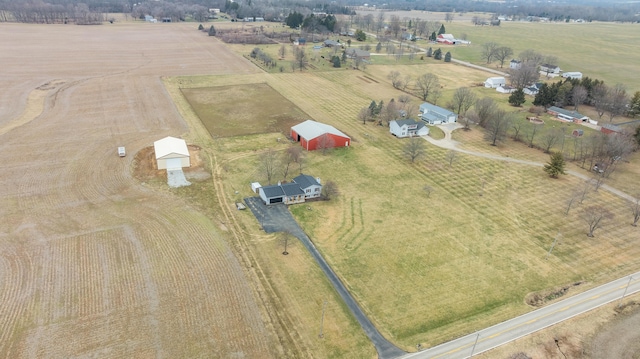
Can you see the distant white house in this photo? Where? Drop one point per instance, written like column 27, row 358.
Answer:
column 506, row 89
column 572, row 75
column 408, row 128
column 550, row 70
column 171, row 153
column 515, row 64
column 533, row 89
column 435, row 115
column 495, row 82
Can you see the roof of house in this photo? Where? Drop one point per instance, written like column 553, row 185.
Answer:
column 436, row 109
column 310, row 129
column 549, row 66
column 573, row 114
column 285, row 189
column 493, row 79
column 171, row 145
column 305, row 181
column 516, row 61
column 409, row 122
column 358, row 52
column 446, row 36
column 332, row 43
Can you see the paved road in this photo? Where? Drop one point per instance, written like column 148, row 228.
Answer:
column 515, row 328
column 277, row 218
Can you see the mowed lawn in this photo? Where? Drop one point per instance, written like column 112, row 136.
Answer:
column 431, row 267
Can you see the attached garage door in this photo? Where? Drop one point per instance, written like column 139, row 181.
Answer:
column 174, row 164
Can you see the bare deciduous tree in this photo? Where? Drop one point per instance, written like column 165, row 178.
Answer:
column 484, row 109
column 551, row 138
column 523, row 76
column 463, row 99
column 451, row 157
column 282, row 52
column 497, row 126
column 531, row 135
column 396, row 79
column 593, row 216
column 268, row 163
column 427, row 189
column 532, row 57
column 425, row 84
column 599, row 98
column 516, row 126
column 617, row 101
column 578, row 96
column 414, row 148
column 502, row 53
column 570, row 201
column 329, row 190
column 635, row 209
column 489, row 51
column 301, row 58
column 364, row 115
column 325, row 142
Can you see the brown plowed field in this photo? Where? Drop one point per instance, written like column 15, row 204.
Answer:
column 94, row 263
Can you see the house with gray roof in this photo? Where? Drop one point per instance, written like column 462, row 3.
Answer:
column 302, row 187
column 287, row 193
column 435, row 115
column 408, row 128
column 309, row 185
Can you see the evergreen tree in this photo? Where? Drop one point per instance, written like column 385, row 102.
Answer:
column 200, row 27
column 212, row 31
column 429, row 52
column 545, row 96
column 556, row 165
column 379, row 107
column 437, row 54
column 447, row 58
column 442, row 30
column 517, row 98
column 344, row 56
column 372, row 108
column 294, row 20
column 360, row 35
column 378, row 47
column 433, row 36
column 336, row 61
column 637, row 135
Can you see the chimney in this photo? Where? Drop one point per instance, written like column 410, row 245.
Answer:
column 318, row 180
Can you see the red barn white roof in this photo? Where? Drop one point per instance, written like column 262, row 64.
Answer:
column 310, row 129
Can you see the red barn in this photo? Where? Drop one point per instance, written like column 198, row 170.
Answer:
column 314, row 135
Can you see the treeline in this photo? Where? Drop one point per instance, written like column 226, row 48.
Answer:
column 587, row 10
column 45, row 13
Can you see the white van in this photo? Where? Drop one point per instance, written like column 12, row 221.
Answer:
column 121, row 152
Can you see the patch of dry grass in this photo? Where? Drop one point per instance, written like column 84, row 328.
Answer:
column 459, row 259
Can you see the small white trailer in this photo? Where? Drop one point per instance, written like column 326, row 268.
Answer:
column 121, row 151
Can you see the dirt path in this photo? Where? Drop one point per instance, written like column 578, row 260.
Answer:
column 86, row 251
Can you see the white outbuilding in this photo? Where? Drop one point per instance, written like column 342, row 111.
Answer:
column 495, row 82
column 172, row 153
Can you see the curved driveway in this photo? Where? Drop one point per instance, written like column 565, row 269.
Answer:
column 277, row 218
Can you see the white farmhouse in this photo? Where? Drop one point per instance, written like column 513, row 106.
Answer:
column 408, row 128
column 171, row 153
column 495, row 82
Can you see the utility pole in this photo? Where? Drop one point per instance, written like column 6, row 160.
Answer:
column 553, row 245
column 286, row 240
column 474, row 345
column 324, row 304
column 625, row 291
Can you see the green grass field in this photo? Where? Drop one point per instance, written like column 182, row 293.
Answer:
column 458, row 260
column 605, row 51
